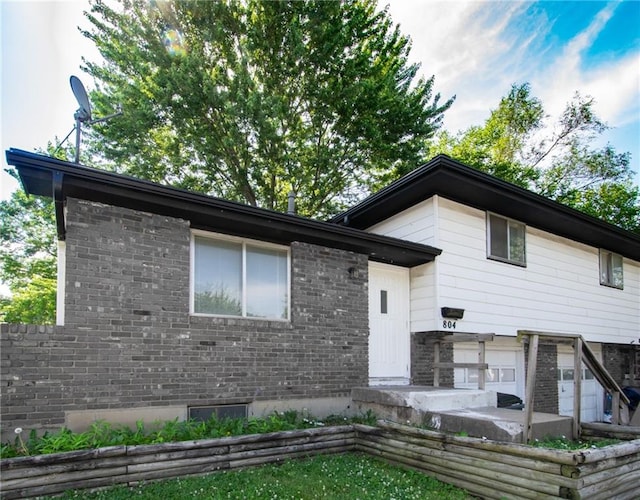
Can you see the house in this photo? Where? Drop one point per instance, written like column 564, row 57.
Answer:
column 173, row 304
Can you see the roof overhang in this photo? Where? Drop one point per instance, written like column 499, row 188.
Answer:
column 50, row 177
column 450, row 179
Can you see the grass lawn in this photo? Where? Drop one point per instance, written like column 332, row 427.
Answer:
column 339, row 477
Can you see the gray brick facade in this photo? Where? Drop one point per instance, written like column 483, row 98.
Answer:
column 619, row 360
column 422, row 351
column 545, row 396
column 129, row 340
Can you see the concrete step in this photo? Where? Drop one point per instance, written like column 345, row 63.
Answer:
column 468, row 411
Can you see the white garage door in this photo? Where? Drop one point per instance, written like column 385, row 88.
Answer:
column 591, row 404
column 506, row 367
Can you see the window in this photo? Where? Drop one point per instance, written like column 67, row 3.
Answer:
column 233, row 277
column 611, row 269
column 506, row 240
column 221, row 412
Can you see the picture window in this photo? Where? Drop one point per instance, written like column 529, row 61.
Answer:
column 234, row 277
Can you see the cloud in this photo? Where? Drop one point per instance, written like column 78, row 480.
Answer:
column 478, row 49
column 614, row 84
column 472, row 49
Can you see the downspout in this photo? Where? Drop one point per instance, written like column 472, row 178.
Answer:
column 58, row 201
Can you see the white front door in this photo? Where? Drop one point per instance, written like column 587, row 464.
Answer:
column 389, row 339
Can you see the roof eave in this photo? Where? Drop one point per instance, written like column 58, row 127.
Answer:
column 450, row 179
column 37, row 175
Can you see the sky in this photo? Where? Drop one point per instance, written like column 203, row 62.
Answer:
column 475, row 49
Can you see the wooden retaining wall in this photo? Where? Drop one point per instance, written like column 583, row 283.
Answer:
column 598, row 430
column 26, row 477
column 487, row 469
column 490, row 469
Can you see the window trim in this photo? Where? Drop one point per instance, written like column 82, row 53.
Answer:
column 608, row 282
column 507, row 260
column 244, row 242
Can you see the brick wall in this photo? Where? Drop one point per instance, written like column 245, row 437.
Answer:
column 619, row 361
column 422, row 360
column 545, row 398
column 129, row 340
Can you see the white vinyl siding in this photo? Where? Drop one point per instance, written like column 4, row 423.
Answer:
column 418, row 224
column 558, row 291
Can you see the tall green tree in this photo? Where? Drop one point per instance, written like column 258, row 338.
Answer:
column 557, row 160
column 28, row 259
column 249, row 100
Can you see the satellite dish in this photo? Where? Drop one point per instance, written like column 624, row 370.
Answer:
column 83, row 114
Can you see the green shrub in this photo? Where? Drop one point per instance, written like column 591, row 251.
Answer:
column 102, row 433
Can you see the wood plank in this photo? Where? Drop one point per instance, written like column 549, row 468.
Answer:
column 54, row 488
column 485, row 461
column 568, row 336
column 256, row 461
column 290, row 442
column 477, row 366
column 628, row 491
column 530, row 388
column 63, row 479
column 468, row 337
column 482, row 372
column 577, row 386
column 436, row 364
column 502, row 484
column 344, row 443
column 57, row 458
column 539, row 465
column 46, row 470
column 188, row 470
column 605, row 487
column 176, row 463
column 234, row 440
column 615, row 407
column 540, row 459
column 607, row 474
column 619, row 450
column 622, row 432
column 557, row 456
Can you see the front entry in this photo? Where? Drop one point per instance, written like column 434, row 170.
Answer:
column 389, row 339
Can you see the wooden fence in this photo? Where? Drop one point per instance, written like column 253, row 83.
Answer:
column 486, row 469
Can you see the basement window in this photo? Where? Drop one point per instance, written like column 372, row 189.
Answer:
column 221, row 412
column 506, row 240
column 238, row 277
column 611, row 269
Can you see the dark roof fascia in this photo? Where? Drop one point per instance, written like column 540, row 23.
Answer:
column 453, row 180
column 37, row 174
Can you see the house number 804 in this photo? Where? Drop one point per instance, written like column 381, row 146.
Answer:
column 449, row 324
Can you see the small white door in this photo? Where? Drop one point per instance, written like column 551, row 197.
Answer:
column 389, row 339
column 591, row 403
